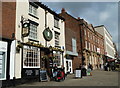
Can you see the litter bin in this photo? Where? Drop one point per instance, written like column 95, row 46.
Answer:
column 84, row 72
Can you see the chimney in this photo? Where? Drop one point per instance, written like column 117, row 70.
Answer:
column 78, row 18
column 63, row 10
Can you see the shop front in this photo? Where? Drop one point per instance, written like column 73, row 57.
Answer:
column 37, row 58
column 31, row 62
column 3, row 59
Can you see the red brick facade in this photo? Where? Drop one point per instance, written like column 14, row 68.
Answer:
column 90, row 43
column 93, row 48
column 8, row 19
column 72, row 30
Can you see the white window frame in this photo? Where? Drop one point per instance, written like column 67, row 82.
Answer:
column 57, row 39
column 33, row 31
column 56, row 22
column 74, row 45
column 35, row 60
column 33, row 10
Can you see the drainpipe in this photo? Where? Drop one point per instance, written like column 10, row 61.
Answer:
column 45, row 25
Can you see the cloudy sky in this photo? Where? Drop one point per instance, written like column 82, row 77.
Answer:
column 96, row 13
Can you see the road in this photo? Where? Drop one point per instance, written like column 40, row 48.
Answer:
column 98, row 78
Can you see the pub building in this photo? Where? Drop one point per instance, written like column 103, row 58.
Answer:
column 39, row 43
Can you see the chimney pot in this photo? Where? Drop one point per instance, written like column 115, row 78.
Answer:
column 63, row 10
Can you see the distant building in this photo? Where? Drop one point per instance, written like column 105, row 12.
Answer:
column 108, row 42
column 93, row 49
column 72, row 42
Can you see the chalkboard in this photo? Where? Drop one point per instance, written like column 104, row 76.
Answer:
column 43, row 75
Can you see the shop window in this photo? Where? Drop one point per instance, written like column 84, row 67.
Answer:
column 31, row 57
column 33, row 31
column 2, row 65
column 57, row 58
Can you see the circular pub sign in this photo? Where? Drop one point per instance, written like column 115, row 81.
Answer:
column 47, row 33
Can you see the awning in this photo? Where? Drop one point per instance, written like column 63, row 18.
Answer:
column 110, row 60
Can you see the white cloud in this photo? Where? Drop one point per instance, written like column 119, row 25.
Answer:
column 104, row 16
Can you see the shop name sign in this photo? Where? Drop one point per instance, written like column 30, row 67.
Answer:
column 29, row 72
column 25, row 29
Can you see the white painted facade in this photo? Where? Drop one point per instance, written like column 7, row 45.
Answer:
column 22, row 9
column 108, row 42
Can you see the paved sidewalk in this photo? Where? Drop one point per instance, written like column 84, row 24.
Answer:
column 98, row 78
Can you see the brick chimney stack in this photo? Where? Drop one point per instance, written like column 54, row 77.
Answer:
column 78, row 18
column 63, row 10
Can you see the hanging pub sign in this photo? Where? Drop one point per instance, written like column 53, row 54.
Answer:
column 25, row 29
column 47, row 33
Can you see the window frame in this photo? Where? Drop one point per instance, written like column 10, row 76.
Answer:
column 34, row 59
column 56, row 22
column 33, row 9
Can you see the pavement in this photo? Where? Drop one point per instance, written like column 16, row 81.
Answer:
column 98, row 78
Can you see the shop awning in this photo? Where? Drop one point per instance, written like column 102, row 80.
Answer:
column 110, row 60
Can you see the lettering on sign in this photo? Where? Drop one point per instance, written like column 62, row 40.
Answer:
column 29, row 72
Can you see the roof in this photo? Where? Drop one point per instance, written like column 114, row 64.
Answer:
column 48, row 9
column 104, row 27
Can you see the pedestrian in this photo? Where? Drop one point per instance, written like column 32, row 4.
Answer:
column 108, row 67
column 89, row 69
column 55, row 68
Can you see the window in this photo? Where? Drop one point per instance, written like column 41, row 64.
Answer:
column 89, row 46
column 57, row 41
column 31, row 57
column 2, row 65
column 32, row 10
column 85, row 44
column 93, row 38
column 94, row 48
column 57, row 58
column 74, row 45
column 33, row 31
column 56, row 22
column 85, row 31
column 88, row 35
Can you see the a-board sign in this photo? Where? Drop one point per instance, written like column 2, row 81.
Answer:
column 78, row 73
column 43, row 75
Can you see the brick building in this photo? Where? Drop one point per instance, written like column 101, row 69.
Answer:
column 7, row 37
column 93, row 49
column 72, row 42
column 89, row 43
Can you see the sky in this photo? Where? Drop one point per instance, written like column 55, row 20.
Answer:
column 96, row 13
